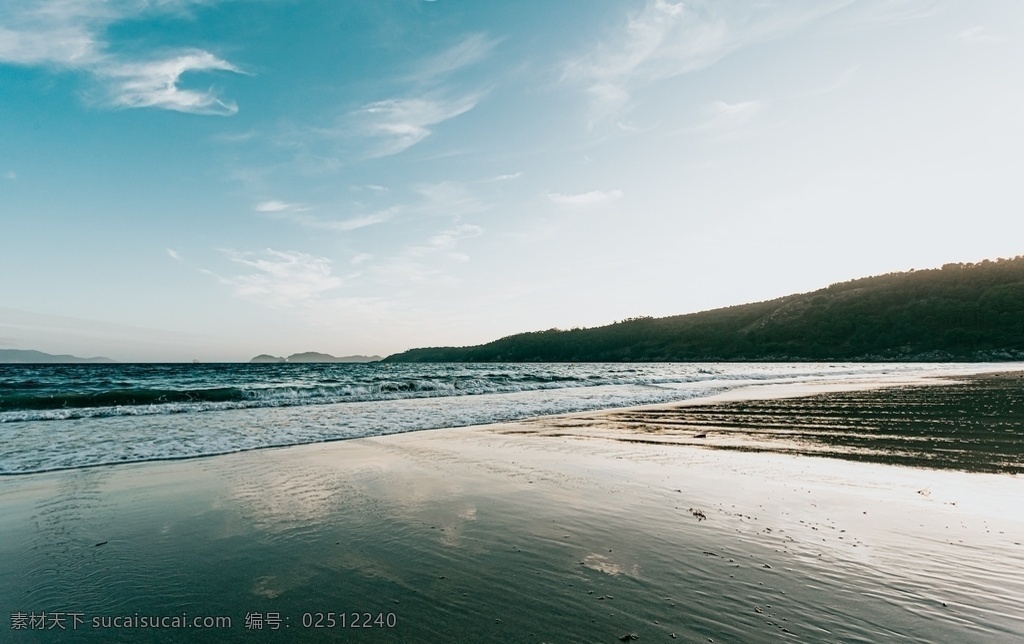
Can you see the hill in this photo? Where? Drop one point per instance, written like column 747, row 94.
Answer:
column 25, row 356
column 313, row 356
column 971, row 312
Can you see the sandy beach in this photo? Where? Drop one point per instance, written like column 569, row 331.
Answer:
column 586, row 528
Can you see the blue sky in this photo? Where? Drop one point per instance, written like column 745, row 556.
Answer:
column 188, row 179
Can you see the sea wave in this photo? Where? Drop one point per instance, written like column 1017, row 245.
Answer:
column 74, row 392
column 22, row 407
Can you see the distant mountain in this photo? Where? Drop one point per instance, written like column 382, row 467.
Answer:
column 312, row 356
column 23, row 356
column 969, row 312
column 268, row 358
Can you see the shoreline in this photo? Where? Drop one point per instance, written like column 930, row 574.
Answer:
column 513, row 532
column 751, row 390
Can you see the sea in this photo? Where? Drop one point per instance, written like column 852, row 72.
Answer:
column 55, row 417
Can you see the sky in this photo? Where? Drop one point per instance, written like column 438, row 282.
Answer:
column 206, row 179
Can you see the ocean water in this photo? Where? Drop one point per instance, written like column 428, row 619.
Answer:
column 66, row 416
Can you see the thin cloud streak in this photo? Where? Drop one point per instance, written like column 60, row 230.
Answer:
column 978, row 35
column 400, row 123
column 729, row 116
column 334, row 225
column 473, row 49
column 585, row 199
column 276, row 205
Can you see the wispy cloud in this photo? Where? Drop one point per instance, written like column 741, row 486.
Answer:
column 445, row 198
column 68, row 35
column 729, row 116
column 439, row 199
column 585, row 199
column 276, row 205
column 400, row 123
column 280, row 278
column 447, row 240
column 392, row 125
column 156, row 84
column 240, row 137
column 668, row 39
column 56, row 32
column 372, row 187
column 334, row 225
column 469, row 51
column 423, row 262
column 352, row 223
column 173, row 254
column 838, row 83
column 505, row 177
column 978, row 35
column 10, row 175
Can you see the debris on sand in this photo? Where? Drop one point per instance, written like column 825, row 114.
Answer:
column 699, row 514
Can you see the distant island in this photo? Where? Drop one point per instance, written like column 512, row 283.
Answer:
column 25, row 356
column 312, row 356
column 960, row 312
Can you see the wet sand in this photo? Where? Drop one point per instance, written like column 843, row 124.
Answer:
column 585, row 528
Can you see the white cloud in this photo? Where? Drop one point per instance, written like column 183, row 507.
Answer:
column 10, row 175
column 361, row 258
column 155, row 84
column 276, row 205
column 68, row 35
column 280, row 279
column 55, row 32
column 668, row 39
column 400, row 123
column 585, row 199
column 173, row 254
column 978, row 35
column 506, row 177
column 448, row 239
column 352, row 223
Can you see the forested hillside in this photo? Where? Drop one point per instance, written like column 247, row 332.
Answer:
column 957, row 312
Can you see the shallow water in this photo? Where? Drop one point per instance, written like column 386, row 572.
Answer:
column 556, row 540
column 65, row 416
